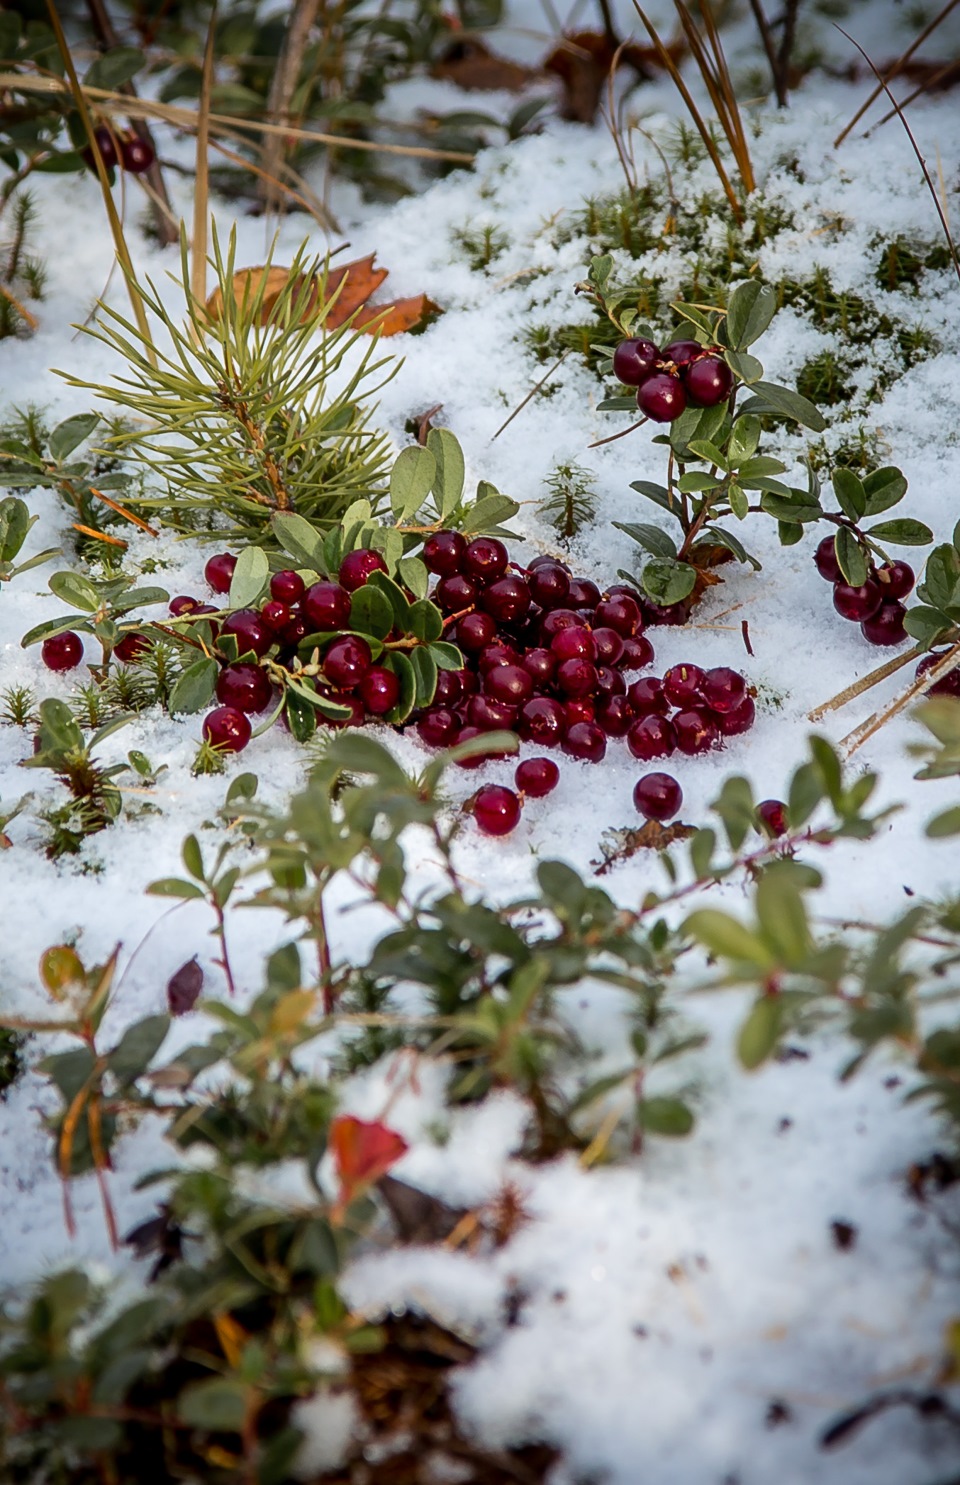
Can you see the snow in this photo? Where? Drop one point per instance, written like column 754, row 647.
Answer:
column 666, row 1301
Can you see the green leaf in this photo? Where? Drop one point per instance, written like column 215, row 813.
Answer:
column 666, row 1116
column 768, row 397
column 398, row 599
column 850, row 558
column 782, row 915
column 883, row 488
column 760, row 1032
column 425, row 671
column 727, row 938
column 411, row 478
column 425, row 620
column 693, row 482
column 736, row 808
column 668, row 582
column 448, row 482
column 15, row 522
column 750, row 309
column 250, row 577
column 721, row 538
column 114, row 68
column 925, row 624
column 902, row 533
column 792, row 508
column 174, row 887
column 137, row 1047
column 301, row 714
column 745, row 366
column 371, row 611
column 303, row 541
column 216, row 1405
column 944, row 824
column 739, row 501
column 447, row 656
column 192, row 857
column 414, row 575
column 651, row 538
column 402, row 668
column 744, row 439
column 242, row 788
column 195, row 687
column 789, row 533
column 851, row 496
column 659, row 494
column 806, row 792
column 564, row 890
column 489, row 512
column 138, row 598
column 70, row 434
column 74, row 589
column 702, row 847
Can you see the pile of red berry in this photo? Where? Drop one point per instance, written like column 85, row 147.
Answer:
column 684, row 374
column 876, row 605
column 135, row 156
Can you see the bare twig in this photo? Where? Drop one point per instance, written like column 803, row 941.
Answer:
column 924, row 87
column 281, row 93
column 766, row 36
column 786, row 43
column 531, row 394
column 892, row 72
column 201, row 187
column 949, row 662
column 612, row 437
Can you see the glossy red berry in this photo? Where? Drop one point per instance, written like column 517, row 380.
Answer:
column 574, row 644
column 610, row 682
column 947, row 685
column 541, row 666
column 537, row 777
column 489, row 715
column 456, row 593
column 358, row 566
column 708, row 381
column 657, row 796
column 379, row 690
column 62, row 651
column 609, row 645
column 696, row 731
column 106, row 145
column 347, row 661
column 896, row 579
column 586, row 741
column 579, row 709
column 327, row 607
column 772, row 816
column 497, row 652
column 227, row 729
column 219, row 571
column 549, row 585
column 741, row 719
column 825, row 560
column 509, row 683
column 723, row 689
column 449, row 688
column 136, row 156
column 443, row 552
column 507, row 599
column 244, row 687
column 885, row 627
column 475, row 632
column 682, row 683
column 543, row 721
column 583, row 594
column 496, row 809
column 682, row 352
column 439, row 727
column 183, row 604
column 633, row 360
column 287, row 586
column 615, row 715
column 651, row 737
column 646, row 696
column 250, row 632
column 621, row 613
column 857, row 603
column 485, row 559
column 131, row 647
column 276, row 615
column 560, row 618
column 297, row 630
column 637, row 653
column 356, row 718
column 576, row 678
column 662, row 397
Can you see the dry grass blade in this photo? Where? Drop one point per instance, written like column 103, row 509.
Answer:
column 531, row 394
column 916, row 150
column 111, row 541
column 867, row 729
column 21, row 309
column 866, row 683
column 736, row 133
column 282, row 88
column 919, row 90
column 303, row 197
column 116, row 226
column 894, row 70
column 670, row 66
column 121, row 510
column 201, row 187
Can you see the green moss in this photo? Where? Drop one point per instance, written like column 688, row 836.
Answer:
column 825, row 379
column 480, row 245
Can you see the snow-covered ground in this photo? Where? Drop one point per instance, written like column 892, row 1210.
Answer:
column 672, row 1298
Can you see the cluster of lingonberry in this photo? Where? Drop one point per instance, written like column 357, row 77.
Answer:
column 875, row 605
column 135, row 155
column 684, row 374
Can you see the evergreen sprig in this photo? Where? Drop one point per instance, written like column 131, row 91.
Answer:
column 254, row 406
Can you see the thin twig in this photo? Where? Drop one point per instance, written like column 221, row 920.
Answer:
column 612, row 438
column 201, row 187
column 850, row 693
column 859, row 735
column 894, row 70
column 766, row 36
column 532, row 393
column 786, row 42
column 924, row 87
column 282, row 88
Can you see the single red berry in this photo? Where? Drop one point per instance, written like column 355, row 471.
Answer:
column 449, row 688
column 646, row 696
column 708, row 381
column 682, row 683
column 496, row 809
column 857, row 603
column 682, row 352
column 741, row 719
column 576, row 677
column 671, row 613
column 249, row 630
column 244, row 687
column 772, row 815
column 327, row 606
column 610, row 682
column 276, row 615
column 62, row 651
column 455, row 593
column 136, row 157
column 609, row 645
column 485, row 559
column 651, row 737
column 546, row 561
column 106, row 145
column 947, row 685
column 509, row 683
column 183, row 604
column 439, row 727
column 579, row 709
column 537, row 777
column 287, row 586
column 380, row 690
column 657, row 796
column 574, row 644
column 885, row 627
column 825, row 560
column 541, row 665
column 497, row 652
column 466, row 735
column 662, row 397
column 131, row 647
column 227, row 729
column 475, row 631
column 347, row 661
column 637, row 653
column 633, row 360
column 697, row 732
column 219, row 571
column 297, row 630
column 443, row 552
column 583, row 594
column 358, row 566
column 896, row 579
column 488, row 714
column 723, row 689
column 560, row 618
column 507, row 599
column 542, row 721
column 356, row 718
column 586, row 741
column 549, row 585
column 469, row 682
column 621, row 613
column 615, row 715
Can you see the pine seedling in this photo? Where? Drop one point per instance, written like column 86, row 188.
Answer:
column 572, row 503
column 254, row 406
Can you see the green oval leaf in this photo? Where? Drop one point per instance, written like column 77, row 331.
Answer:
column 850, row 558
column 195, row 687
column 75, row 589
column 668, row 582
column 760, row 1032
column 667, row 1116
column 413, row 473
column 249, row 579
column 902, row 533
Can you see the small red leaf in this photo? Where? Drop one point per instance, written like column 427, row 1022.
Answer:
column 362, row 1152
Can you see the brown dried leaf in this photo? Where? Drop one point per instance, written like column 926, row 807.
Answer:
column 418, row 1216
column 620, row 845
column 356, row 282
column 184, row 987
column 582, row 61
column 471, row 65
column 353, row 284
column 397, row 315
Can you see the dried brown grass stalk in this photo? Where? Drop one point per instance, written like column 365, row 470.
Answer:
column 949, row 662
column 201, row 188
column 892, row 72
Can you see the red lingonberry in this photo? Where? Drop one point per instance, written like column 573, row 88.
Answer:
column 576, row 677
column 287, row 586
column 723, row 689
column 297, row 630
column 682, row 352
column 637, row 653
column 439, row 727
column 857, row 603
column 583, row 594
column 541, row 665
column 509, row 683
column 276, row 615
column 947, row 685
column 455, row 593
column 682, row 683
column 633, row 360
column 741, row 719
column 885, row 627
column 586, row 741
column 327, row 606
column 443, row 552
column 249, row 630
column 772, row 817
column 244, row 687
column 475, row 632
column 610, row 682
column 657, row 796
column 615, row 715
column 696, row 731
column 449, row 688
column 542, row 721
column 537, row 777
column 106, row 144
column 825, row 560
column 651, row 737
column 62, row 651
column 358, row 566
column 708, row 381
column 227, row 729
column 579, row 709
column 609, row 645
column 507, row 599
column 183, row 604
column 549, row 585
column 646, row 696
column 560, row 618
column 490, row 715
column 574, row 644
column 621, row 613
column 219, row 571
column 485, row 559
column 497, row 652
column 496, row 809
column 136, row 155
column 131, row 647
column 896, row 579
column 347, row 661
column 379, row 690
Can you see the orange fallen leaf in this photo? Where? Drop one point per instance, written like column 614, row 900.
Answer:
column 356, row 282
column 350, row 287
column 362, row 1152
column 397, row 315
